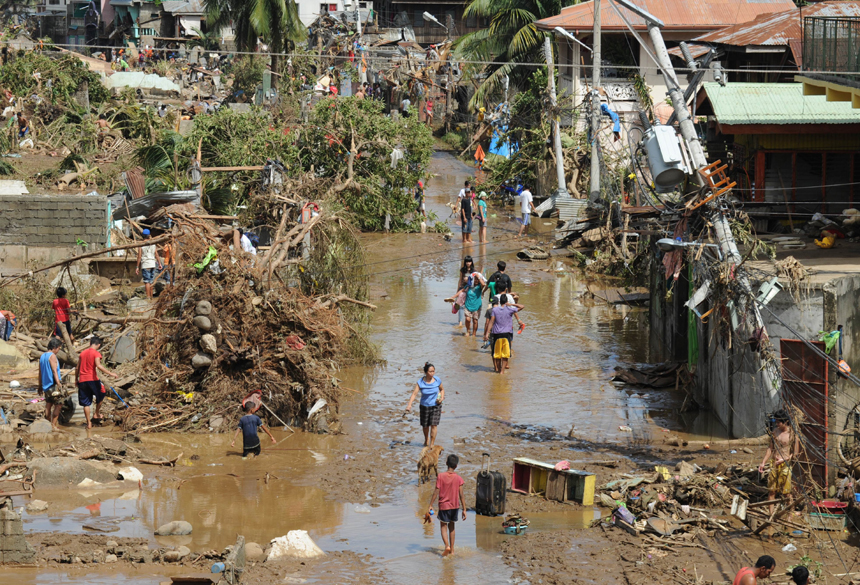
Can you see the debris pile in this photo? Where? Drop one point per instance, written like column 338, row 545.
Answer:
column 670, row 507
column 234, row 323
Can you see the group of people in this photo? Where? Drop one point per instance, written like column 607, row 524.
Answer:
column 89, row 386
column 472, row 206
column 763, row 568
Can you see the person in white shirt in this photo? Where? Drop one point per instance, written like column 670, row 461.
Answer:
column 404, row 107
column 526, row 207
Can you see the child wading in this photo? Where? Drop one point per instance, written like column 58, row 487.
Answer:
column 248, row 426
column 449, row 490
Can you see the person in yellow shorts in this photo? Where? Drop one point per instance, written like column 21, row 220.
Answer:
column 783, row 448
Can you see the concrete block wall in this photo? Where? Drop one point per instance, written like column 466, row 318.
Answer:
column 53, row 220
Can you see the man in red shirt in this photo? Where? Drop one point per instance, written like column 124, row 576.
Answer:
column 449, row 489
column 62, row 314
column 86, row 376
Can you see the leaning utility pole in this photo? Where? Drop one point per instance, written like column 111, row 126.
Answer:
column 722, row 229
column 556, row 127
column 594, row 191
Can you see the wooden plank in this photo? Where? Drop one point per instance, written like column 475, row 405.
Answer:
column 556, row 486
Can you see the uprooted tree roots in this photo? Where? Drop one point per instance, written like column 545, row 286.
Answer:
column 218, row 335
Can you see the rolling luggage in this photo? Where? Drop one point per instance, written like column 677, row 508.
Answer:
column 491, row 491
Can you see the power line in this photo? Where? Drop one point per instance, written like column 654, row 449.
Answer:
column 398, row 57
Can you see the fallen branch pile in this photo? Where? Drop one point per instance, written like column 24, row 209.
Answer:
column 243, row 323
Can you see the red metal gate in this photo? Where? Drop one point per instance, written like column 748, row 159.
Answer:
column 805, row 380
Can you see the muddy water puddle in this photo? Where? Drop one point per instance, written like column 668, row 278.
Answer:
column 559, row 379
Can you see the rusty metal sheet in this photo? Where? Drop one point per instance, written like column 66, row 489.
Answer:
column 687, row 15
column 779, row 28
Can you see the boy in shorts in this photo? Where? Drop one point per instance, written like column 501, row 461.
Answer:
column 248, row 426
column 449, row 490
column 89, row 386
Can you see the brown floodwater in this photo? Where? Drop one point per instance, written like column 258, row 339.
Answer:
column 559, row 378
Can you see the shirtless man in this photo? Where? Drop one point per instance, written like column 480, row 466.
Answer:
column 784, row 445
column 764, row 566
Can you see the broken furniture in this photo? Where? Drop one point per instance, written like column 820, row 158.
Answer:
column 536, row 477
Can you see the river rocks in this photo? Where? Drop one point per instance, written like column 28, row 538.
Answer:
column 174, row 556
column 98, row 556
column 203, row 308
column 216, row 422
column 68, row 472
column 110, row 558
column 253, row 551
column 40, row 426
column 208, row 344
column 175, row 528
column 201, row 360
column 37, row 506
column 203, row 323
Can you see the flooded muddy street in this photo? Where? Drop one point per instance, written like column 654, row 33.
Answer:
column 357, row 494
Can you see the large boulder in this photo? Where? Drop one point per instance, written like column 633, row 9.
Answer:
column 297, row 544
column 68, row 472
column 10, row 357
column 175, row 528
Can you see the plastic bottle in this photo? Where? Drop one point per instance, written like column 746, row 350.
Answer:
column 218, row 568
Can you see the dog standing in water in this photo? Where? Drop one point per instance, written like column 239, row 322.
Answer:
column 427, row 462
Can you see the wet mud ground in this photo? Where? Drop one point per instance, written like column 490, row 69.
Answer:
column 357, row 494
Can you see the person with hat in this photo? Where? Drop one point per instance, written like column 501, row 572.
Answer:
column 482, row 217
column 419, row 199
column 147, row 262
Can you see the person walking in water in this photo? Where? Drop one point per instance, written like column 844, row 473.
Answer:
column 460, row 299
column 502, row 327
column 764, row 566
column 449, row 492
column 474, row 286
column 432, row 394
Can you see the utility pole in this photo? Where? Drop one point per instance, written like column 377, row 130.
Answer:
column 594, row 191
column 556, row 129
column 770, row 368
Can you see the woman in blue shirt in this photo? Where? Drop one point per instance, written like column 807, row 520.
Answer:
column 432, row 395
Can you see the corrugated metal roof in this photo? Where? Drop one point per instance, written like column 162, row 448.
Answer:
column 779, row 28
column 178, row 7
column 775, row 103
column 676, row 14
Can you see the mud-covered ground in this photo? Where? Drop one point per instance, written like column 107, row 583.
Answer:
column 357, row 494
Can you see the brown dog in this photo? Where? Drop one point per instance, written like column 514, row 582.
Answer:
column 427, row 462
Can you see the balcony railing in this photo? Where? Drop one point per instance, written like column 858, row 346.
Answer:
column 831, row 44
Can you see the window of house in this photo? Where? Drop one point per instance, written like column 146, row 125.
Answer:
column 54, row 2
column 418, row 21
column 471, row 21
column 323, row 8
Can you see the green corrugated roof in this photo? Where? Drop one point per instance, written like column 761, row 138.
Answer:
column 775, row 103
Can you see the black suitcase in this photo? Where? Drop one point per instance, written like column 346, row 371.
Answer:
column 491, row 491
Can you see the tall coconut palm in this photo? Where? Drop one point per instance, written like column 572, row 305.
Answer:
column 276, row 22
column 511, row 38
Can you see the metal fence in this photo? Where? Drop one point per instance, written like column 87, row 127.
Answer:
column 831, row 44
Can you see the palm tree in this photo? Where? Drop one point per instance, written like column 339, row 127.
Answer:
column 511, row 38
column 276, row 22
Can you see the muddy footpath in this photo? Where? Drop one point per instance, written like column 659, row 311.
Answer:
column 357, row 493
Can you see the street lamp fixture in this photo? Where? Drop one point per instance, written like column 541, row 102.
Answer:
column 567, row 35
column 670, row 245
column 430, row 18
